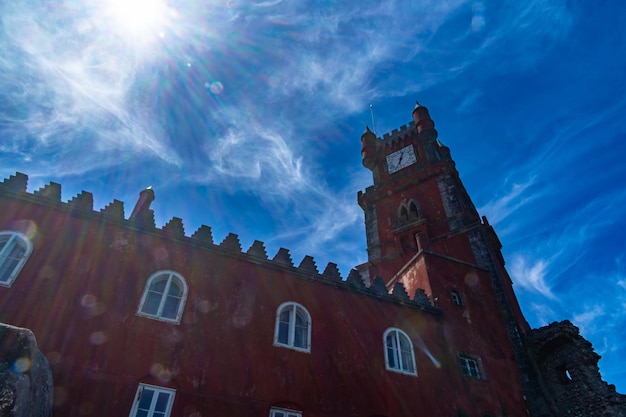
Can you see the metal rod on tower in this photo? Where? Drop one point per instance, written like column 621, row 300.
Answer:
column 373, row 123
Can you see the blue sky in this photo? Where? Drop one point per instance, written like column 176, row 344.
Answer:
column 246, row 116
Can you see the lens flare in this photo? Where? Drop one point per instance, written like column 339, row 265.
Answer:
column 140, row 19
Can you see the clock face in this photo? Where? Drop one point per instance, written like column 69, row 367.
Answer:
column 400, row 159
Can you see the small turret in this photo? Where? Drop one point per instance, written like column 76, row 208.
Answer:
column 423, row 123
column 368, row 149
column 146, row 197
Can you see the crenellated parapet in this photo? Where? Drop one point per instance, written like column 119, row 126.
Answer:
column 142, row 220
column 398, row 135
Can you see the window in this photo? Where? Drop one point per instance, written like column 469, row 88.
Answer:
column 293, row 327
column 471, row 366
column 151, row 401
column 456, row 297
column 413, row 210
column 284, row 412
column 399, row 352
column 15, row 248
column 164, row 297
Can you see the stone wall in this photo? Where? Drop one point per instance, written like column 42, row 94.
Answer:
column 571, row 378
column 25, row 376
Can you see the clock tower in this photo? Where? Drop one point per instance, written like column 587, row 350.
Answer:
column 421, row 225
column 417, row 201
column 423, row 231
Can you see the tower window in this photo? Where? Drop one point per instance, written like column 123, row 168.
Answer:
column 471, row 366
column 293, row 327
column 164, row 297
column 152, row 401
column 413, row 211
column 404, row 215
column 456, row 297
column 15, row 248
column 399, row 355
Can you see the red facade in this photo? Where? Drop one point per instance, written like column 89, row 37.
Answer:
column 434, row 276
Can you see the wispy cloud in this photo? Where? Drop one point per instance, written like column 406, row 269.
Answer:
column 503, row 206
column 531, row 275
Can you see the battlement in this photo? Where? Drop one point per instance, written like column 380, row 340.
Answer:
column 397, row 135
column 81, row 206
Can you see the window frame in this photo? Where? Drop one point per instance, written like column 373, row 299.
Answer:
column 5, row 251
column 294, row 309
column 183, row 298
column 398, row 357
column 287, row 412
column 140, row 389
column 465, row 360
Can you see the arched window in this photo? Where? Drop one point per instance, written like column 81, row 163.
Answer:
column 413, row 210
column 164, row 297
column 399, row 352
column 15, row 248
column 293, row 327
column 403, row 214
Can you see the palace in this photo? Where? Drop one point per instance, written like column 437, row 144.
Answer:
column 144, row 321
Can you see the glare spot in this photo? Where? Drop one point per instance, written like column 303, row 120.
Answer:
column 478, row 19
column 21, row 365
column 471, row 279
column 158, row 371
column 216, row 87
column 88, row 301
column 205, row 306
column 160, row 253
column 54, row 358
column 98, row 338
column 156, row 368
column 189, row 64
column 47, row 272
column 28, row 227
column 138, row 18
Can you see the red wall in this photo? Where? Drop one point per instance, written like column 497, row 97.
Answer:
column 80, row 290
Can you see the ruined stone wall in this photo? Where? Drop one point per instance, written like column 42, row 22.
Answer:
column 25, row 376
column 568, row 366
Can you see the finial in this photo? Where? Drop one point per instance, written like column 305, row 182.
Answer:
column 417, row 104
column 367, row 129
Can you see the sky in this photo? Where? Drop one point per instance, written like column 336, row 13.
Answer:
column 246, row 116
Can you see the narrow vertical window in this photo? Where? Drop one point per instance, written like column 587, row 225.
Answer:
column 164, row 297
column 293, row 327
column 456, row 297
column 15, row 248
column 399, row 355
column 152, row 401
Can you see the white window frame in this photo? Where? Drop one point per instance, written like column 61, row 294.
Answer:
column 471, row 366
column 171, row 275
column 15, row 238
column 158, row 390
column 284, row 412
column 293, row 308
column 399, row 360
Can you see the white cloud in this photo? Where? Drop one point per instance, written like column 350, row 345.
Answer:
column 503, row 206
column 530, row 275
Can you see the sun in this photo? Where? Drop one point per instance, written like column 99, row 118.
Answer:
column 139, row 19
